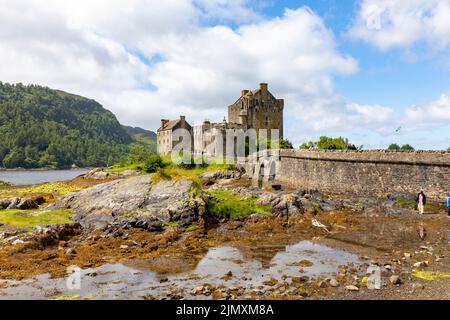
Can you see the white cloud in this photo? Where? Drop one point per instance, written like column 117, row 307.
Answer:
column 147, row 59
column 389, row 24
column 112, row 52
column 433, row 114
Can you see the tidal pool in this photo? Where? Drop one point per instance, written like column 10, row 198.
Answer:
column 250, row 268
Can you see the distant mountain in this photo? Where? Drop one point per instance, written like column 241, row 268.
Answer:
column 41, row 127
column 144, row 137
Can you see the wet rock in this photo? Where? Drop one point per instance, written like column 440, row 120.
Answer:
column 26, row 204
column 395, row 280
column 13, row 203
column 286, row 204
column 4, row 203
column 49, row 236
column 322, row 284
column 71, row 251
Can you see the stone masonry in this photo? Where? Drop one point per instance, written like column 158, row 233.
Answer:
column 359, row 172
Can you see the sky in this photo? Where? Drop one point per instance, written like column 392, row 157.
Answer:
column 375, row 71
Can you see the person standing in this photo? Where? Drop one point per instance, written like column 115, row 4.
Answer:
column 421, row 202
column 448, row 204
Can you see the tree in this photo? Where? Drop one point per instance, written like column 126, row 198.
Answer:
column 308, row 145
column 285, row 144
column 407, row 147
column 394, row 147
column 138, row 154
column 326, row 143
column 41, row 127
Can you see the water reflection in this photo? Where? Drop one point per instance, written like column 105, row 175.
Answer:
column 117, row 281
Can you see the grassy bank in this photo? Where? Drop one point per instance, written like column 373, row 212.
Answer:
column 227, row 204
column 29, row 219
column 54, row 188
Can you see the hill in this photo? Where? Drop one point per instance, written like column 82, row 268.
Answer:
column 41, row 127
column 143, row 137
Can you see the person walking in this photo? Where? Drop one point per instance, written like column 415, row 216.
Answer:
column 448, row 204
column 421, row 202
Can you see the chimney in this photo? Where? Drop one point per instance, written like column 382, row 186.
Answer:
column 244, row 92
column 163, row 123
column 264, row 87
column 183, row 118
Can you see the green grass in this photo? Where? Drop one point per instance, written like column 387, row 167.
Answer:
column 59, row 188
column 119, row 168
column 411, row 204
column 172, row 224
column 193, row 227
column 406, row 203
column 29, row 219
column 173, row 172
column 227, row 204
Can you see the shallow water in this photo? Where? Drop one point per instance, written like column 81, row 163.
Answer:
column 27, row 177
column 135, row 280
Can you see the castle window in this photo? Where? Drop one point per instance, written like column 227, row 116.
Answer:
column 266, row 122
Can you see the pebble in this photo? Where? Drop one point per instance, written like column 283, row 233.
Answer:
column 352, row 288
column 334, row 283
column 421, row 264
column 217, row 295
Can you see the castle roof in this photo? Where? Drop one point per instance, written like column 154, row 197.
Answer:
column 170, row 125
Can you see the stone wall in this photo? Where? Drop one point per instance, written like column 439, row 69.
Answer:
column 367, row 172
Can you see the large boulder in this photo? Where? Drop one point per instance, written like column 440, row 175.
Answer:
column 134, row 199
column 285, row 204
column 99, row 174
column 222, row 174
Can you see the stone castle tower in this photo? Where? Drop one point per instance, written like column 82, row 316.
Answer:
column 258, row 109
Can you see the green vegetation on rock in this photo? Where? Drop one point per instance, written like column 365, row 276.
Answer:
column 227, row 204
column 55, row 188
column 29, row 219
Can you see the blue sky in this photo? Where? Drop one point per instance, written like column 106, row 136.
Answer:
column 388, row 78
column 359, row 68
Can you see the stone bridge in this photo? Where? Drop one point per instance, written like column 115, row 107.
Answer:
column 357, row 172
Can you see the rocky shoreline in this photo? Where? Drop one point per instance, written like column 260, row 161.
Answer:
column 137, row 217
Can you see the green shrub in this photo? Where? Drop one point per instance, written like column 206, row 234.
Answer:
column 407, row 147
column 394, row 147
column 153, row 164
